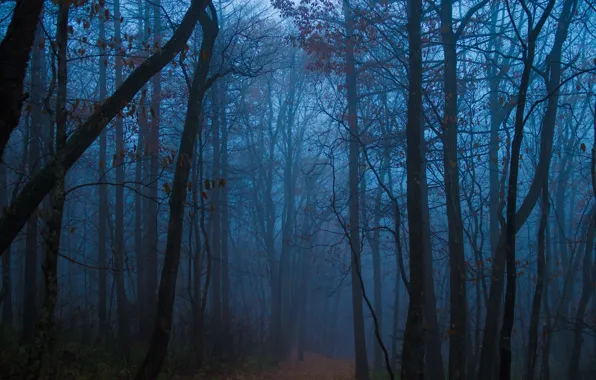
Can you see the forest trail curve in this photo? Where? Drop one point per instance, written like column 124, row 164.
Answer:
column 314, row 366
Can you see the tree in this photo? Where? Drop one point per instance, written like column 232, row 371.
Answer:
column 155, row 357
column 413, row 345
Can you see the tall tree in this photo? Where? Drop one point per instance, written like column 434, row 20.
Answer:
column 119, row 161
column 413, row 345
column 457, row 272
column 354, row 164
column 32, row 255
column 102, row 235
column 529, row 51
column 155, row 357
column 43, row 343
column 151, row 216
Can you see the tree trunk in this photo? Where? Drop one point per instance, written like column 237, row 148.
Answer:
column 398, row 254
column 587, row 277
column 457, row 269
column 413, row 346
column 6, row 290
column 225, row 217
column 505, row 252
column 14, row 56
column 155, row 357
column 44, row 332
column 433, row 358
column 537, row 299
column 151, row 216
column 354, row 241
column 119, row 161
column 31, row 239
column 374, row 241
column 216, row 215
column 102, row 235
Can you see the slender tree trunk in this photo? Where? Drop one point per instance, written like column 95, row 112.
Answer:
column 398, row 254
column 352, row 92
column 155, row 357
column 31, row 239
column 43, row 343
column 457, row 269
column 6, row 290
column 413, row 346
column 505, row 253
column 374, row 241
column 587, row 277
column 216, row 215
column 151, row 217
column 433, row 358
column 537, row 299
column 225, row 217
column 102, row 235
column 119, row 161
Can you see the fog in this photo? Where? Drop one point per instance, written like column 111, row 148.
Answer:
column 298, row 190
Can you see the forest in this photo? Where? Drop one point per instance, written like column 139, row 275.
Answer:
column 298, row 189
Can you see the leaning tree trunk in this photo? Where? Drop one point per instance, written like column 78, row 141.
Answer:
column 29, row 198
column 155, row 357
column 14, row 56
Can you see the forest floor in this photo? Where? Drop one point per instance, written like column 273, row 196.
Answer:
column 313, row 367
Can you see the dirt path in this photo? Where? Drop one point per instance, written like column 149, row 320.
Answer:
column 313, row 367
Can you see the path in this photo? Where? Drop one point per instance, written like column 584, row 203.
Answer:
column 314, row 367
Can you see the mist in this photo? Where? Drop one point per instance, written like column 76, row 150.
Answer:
column 303, row 189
